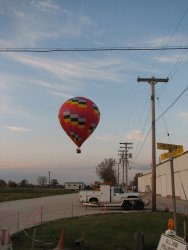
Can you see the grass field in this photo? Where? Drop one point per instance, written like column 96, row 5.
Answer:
column 100, row 232
column 9, row 194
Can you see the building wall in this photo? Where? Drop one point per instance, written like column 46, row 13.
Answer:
column 163, row 178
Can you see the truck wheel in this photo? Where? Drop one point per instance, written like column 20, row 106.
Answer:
column 127, row 205
column 94, row 200
column 139, row 205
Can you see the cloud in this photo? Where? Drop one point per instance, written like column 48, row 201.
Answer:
column 10, row 106
column 172, row 58
column 17, row 129
column 6, row 108
column 184, row 115
column 159, row 41
column 61, row 94
column 108, row 69
column 45, row 5
column 134, row 135
column 28, row 25
column 167, row 40
column 104, row 137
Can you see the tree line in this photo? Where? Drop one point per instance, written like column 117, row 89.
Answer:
column 41, row 182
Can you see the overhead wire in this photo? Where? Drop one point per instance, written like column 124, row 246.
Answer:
column 172, row 104
column 170, row 38
column 165, row 123
column 177, row 66
column 179, row 59
column 178, row 62
column 142, row 130
column 128, row 48
column 172, row 72
column 142, row 146
column 159, row 117
column 131, row 108
column 179, row 185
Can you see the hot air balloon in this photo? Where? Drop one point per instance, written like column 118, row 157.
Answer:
column 79, row 117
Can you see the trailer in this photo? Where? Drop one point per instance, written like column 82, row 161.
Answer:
column 112, row 197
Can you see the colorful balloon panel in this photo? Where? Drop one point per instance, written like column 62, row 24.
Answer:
column 79, row 117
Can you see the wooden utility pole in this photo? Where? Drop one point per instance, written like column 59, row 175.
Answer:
column 125, row 158
column 121, row 153
column 49, row 173
column 153, row 81
column 118, row 174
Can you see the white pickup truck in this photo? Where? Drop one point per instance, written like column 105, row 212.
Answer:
column 112, row 196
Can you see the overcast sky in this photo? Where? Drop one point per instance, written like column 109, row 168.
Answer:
column 33, row 86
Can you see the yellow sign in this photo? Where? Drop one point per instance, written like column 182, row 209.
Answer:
column 173, row 153
column 169, row 147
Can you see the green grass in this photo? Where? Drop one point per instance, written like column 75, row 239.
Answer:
column 101, row 232
column 9, row 194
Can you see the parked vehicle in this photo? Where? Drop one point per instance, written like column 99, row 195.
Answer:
column 112, row 196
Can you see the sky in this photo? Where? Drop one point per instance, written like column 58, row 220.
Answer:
column 33, row 86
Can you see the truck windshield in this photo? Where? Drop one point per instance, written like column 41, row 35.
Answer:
column 118, row 190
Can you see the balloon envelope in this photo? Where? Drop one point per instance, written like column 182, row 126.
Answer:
column 79, row 117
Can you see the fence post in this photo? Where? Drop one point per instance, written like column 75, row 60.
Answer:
column 41, row 215
column 72, row 209
column 33, row 240
column 18, row 222
column 139, row 240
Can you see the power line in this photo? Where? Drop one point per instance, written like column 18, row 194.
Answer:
column 172, row 104
column 167, row 132
column 47, row 50
column 142, row 145
column 170, row 38
column 159, row 117
column 142, row 132
column 178, row 62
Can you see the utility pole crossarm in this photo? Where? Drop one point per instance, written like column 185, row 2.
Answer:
column 152, row 79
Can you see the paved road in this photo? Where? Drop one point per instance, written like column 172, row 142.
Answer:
column 164, row 203
column 20, row 214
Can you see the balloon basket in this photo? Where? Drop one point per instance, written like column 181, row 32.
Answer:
column 78, row 150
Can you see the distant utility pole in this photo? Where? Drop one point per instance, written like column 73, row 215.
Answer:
column 118, row 173
column 125, row 155
column 49, row 173
column 152, row 81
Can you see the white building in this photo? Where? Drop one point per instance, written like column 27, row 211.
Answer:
column 163, row 178
column 74, row 185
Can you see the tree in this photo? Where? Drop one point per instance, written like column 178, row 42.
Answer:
column 12, row 184
column 42, row 180
column 106, row 171
column 54, row 183
column 24, row 183
column 3, row 183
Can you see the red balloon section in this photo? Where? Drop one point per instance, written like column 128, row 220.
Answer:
column 79, row 117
